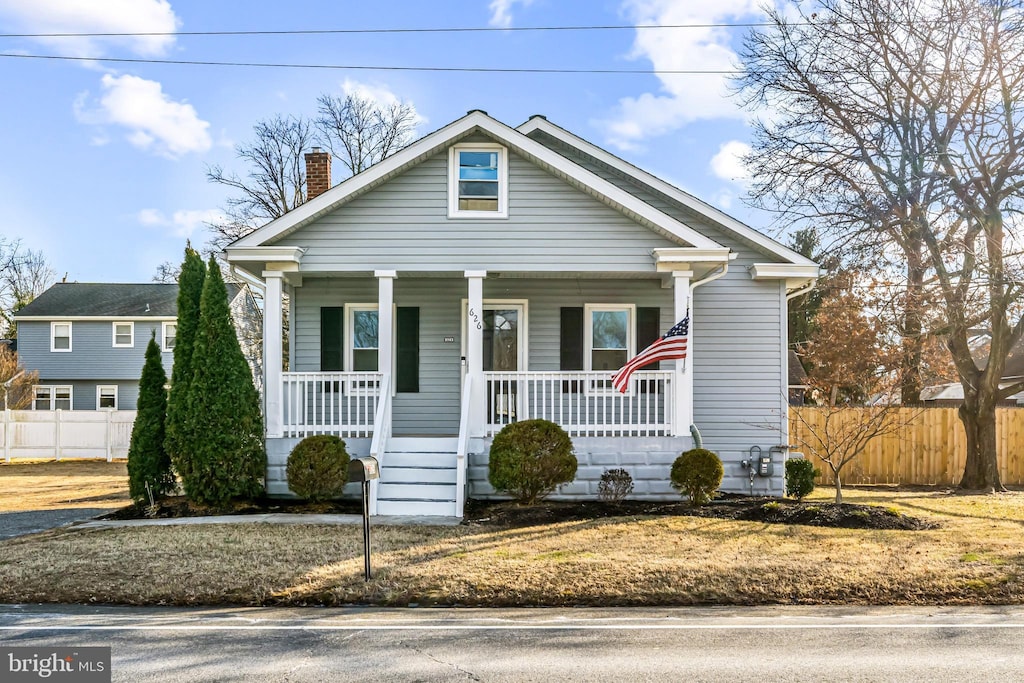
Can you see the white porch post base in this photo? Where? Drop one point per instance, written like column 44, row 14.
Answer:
column 682, row 381
column 272, row 354
column 475, row 351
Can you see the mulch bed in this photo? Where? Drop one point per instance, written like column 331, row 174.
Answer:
column 508, row 514
column 179, row 506
column 745, row 508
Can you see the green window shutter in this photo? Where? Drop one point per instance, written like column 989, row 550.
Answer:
column 648, row 330
column 571, row 349
column 332, row 344
column 408, row 351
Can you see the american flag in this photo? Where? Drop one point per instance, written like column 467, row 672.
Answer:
column 672, row 345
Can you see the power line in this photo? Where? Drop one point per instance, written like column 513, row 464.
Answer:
column 364, row 67
column 351, row 31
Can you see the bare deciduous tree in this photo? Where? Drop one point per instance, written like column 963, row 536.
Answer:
column 24, row 275
column 899, row 127
column 15, row 384
column 359, row 131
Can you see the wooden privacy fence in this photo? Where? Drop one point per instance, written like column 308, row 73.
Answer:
column 65, row 434
column 929, row 447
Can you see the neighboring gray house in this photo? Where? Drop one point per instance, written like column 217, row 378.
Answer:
column 88, row 340
column 486, row 274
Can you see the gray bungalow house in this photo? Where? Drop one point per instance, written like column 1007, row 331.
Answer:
column 487, row 274
column 88, row 340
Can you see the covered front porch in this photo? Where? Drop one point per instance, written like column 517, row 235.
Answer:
column 423, row 376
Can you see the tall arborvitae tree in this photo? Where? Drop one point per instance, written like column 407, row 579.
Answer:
column 190, row 289
column 228, row 456
column 148, row 461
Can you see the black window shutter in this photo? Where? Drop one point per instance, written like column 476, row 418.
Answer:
column 332, row 345
column 408, row 360
column 648, row 330
column 571, row 349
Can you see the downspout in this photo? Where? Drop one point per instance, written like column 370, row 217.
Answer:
column 694, row 432
column 802, row 290
column 249, row 279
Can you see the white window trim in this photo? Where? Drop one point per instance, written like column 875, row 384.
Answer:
column 53, row 395
column 588, row 340
column 100, row 388
column 453, row 180
column 131, row 334
column 53, row 337
column 348, row 361
column 163, row 335
column 524, row 327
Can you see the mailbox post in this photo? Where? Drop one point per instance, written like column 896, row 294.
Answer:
column 365, row 470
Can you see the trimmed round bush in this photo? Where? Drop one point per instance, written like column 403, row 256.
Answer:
column 530, row 459
column 697, row 474
column 800, row 476
column 318, row 468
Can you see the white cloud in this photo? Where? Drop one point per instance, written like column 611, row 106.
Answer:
column 380, row 94
column 727, row 163
column 154, row 121
column 181, row 223
column 94, row 16
column 682, row 98
column 501, row 11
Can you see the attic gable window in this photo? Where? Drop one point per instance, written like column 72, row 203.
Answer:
column 478, row 181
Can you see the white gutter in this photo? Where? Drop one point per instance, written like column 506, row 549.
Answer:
column 801, row 290
column 249, row 279
column 709, row 278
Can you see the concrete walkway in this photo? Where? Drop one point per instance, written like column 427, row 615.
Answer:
column 274, row 518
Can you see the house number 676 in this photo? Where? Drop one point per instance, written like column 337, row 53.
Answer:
column 476, row 319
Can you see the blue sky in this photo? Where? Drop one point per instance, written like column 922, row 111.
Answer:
column 104, row 164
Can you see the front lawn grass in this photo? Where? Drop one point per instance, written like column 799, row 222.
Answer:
column 975, row 557
column 50, row 485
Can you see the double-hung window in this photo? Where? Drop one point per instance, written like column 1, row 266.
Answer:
column 60, row 337
column 478, row 181
column 363, row 344
column 610, row 338
column 124, row 335
column 169, row 333
column 106, row 397
column 51, row 397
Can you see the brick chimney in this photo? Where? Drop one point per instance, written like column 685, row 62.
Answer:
column 318, row 173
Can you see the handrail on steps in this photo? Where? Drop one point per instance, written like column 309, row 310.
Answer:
column 381, row 432
column 463, row 448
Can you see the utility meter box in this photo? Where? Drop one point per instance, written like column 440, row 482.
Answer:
column 363, row 469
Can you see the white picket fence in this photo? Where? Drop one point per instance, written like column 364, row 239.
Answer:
column 65, row 434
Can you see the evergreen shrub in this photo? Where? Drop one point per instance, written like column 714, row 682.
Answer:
column 800, row 476
column 148, row 461
column 318, row 468
column 530, row 459
column 697, row 474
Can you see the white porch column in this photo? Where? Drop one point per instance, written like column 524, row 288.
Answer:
column 386, row 321
column 475, row 351
column 272, row 353
column 683, row 379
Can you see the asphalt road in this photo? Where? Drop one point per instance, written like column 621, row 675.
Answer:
column 29, row 522
column 712, row 644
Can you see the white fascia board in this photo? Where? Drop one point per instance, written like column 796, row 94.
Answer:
column 783, row 271
column 684, row 198
column 689, row 255
column 95, row 318
column 242, row 254
column 563, row 167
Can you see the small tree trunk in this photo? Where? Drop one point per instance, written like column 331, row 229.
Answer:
column 839, row 487
column 913, row 341
column 978, row 414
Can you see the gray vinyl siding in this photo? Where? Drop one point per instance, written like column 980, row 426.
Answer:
column 92, row 352
column 404, row 225
column 83, row 393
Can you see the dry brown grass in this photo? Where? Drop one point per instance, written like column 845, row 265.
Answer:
column 976, row 557
column 49, row 485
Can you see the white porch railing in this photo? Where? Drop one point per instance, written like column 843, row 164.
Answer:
column 342, row 403
column 463, row 448
column 381, row 434
column 583, row 403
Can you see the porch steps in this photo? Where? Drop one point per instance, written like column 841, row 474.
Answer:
column 417, row 477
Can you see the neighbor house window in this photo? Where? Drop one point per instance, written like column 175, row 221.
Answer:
column 106, row 398
column 60, row 336
column 609, row 336
column 478, row 181
column 362, row 337
column 170, row 336
column 124, row 335
column 51, row 397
